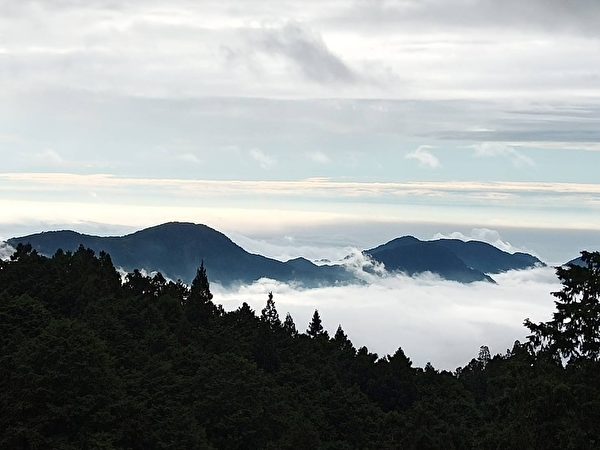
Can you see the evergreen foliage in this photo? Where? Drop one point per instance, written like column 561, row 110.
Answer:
column 574, row 331
column 289, row 326
column 315, row 327
column 269, row 314
column 89, row 362
column 199, row 307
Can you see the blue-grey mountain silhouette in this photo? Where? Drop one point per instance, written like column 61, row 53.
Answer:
column 176, row 249
column 452, row 259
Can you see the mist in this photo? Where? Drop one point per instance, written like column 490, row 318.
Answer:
column 433, row 320
column 5, row 251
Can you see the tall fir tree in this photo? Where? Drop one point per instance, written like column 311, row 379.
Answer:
column 315, row 327
column 290, row 326
column 341, row 340
column 199, row 307
column 574, row 331
column 269, row 314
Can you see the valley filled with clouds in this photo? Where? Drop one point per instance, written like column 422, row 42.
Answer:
column 433, row 320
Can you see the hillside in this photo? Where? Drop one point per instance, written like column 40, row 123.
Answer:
column 452, row 259
column 176, row 250
column 89, row 361
column 411, row 256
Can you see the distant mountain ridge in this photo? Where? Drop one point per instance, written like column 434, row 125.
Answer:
column 575, row 262
column 452, row 259
column 176, row 249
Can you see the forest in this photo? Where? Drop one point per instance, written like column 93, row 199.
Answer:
column 92, row 361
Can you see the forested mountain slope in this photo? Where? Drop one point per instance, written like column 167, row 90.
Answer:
column 90, row 362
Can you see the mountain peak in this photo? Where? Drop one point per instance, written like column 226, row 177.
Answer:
column 452, row 259
column 176, row 249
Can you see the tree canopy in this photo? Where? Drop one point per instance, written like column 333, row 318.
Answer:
column 89, row 361
column 574, row 331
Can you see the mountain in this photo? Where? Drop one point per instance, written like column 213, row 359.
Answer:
column 412, row 256
column 576, row 262
column 451, row 259
column 176, row 249
column 487, row 258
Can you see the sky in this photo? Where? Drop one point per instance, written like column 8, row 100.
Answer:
column 269, row 117
column 469, row 113
column 312, row 129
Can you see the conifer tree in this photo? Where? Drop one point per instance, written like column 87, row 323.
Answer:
column 137, row 284
column 199, row 307
column 269, row 314
column 574, row 331
column 289, row 325
column 244, row 312
column 200, row 286
column 342, row 341
column 315, row 327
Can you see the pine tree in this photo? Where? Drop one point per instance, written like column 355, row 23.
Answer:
column 315, row 327
column 574, row 331
column 137, row 284
column 200, row 286
column 290, row 326
column 245, row 313
column 342, row 341
column 199, row 307
column 269, row 314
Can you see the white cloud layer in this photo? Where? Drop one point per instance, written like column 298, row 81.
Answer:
column 258, row 208
column 424, row 157
column 265, row 161
column 432, row 320
column 499, row 149
column 492, row 237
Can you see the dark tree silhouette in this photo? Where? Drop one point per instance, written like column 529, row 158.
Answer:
column 269, row 314
column 289, row 325
column 484, row 356
column 88, row 362
column 574, row 331
column 199, row 307
column 341, row 340
column 315, row 327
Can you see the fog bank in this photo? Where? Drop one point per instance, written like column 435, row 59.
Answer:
column 433, row 320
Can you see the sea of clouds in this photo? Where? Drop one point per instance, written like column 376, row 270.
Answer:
column 433, row 320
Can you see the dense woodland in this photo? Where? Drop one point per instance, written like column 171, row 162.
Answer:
column 91, row 362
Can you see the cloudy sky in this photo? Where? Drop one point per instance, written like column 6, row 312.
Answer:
column 311, row 128
column 280, row 119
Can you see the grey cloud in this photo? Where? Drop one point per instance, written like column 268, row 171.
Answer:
column 307, row 51
column 578, row 17
column 560, row 123
column 369, row 49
